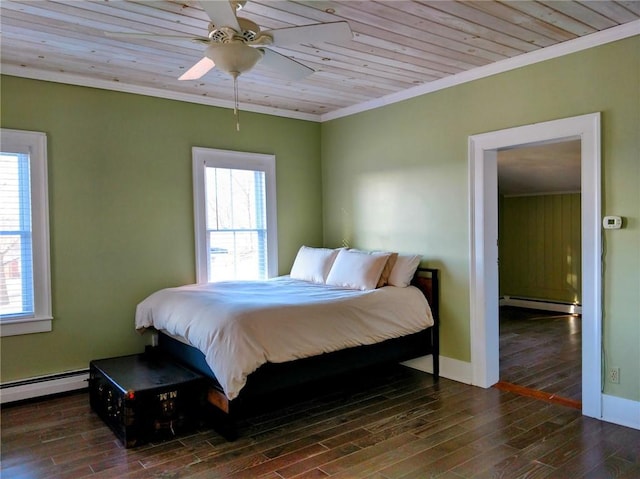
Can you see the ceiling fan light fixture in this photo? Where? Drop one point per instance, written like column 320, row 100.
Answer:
column 233, row 58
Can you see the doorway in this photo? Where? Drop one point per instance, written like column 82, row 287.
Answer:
column 484, row 289
column 539, row 236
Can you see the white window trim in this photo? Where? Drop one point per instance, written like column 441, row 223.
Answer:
column 209, row 157
column 35, row 144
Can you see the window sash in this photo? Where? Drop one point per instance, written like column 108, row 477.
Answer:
column 231, row 258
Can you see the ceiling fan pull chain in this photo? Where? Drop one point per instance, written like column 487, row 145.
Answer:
column 236, row 108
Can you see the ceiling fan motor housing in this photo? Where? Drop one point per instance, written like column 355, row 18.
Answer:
column 248, row 32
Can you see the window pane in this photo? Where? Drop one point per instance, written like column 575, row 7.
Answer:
column 235, row 255
column 16, row 263
column 236, row 224
column 233, row 197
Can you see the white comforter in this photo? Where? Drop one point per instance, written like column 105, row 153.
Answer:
column 241, row 325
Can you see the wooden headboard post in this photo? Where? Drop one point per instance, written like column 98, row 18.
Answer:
column 427, row 281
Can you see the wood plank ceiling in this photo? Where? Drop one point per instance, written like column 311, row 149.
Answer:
column 396, row 45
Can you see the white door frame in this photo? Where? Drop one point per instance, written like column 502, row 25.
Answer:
column 484, row 291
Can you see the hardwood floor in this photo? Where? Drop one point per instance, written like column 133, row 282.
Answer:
column 541, row 350
column 397, row 424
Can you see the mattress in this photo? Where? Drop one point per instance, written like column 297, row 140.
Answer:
column 241, row 325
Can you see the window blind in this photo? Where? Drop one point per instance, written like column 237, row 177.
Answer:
column 16, row 254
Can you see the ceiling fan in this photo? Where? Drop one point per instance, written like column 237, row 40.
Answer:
column 235, row 45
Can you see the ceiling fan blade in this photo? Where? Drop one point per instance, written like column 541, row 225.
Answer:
column 198, row 70
column 284, row 65
column 334, row 32
column 153, row 35
column 221, row 13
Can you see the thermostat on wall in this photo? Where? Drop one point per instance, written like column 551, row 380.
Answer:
column 612, row 222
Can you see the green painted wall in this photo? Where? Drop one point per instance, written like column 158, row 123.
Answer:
column 539, row 244
column 121, row 207
column 394, row 178
column 397, row 177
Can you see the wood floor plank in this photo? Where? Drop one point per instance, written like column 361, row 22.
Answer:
column 556, row 450
column 311, row 463
column 487, row 459
column 393, row 467
column 444, row 464
column 362, row 455
column 272, row 465
column 515, row 467
column 613, row 467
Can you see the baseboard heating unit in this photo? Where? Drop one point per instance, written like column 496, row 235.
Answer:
column 542, row 304
column 43, row 386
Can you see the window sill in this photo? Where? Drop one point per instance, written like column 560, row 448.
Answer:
column 25, row 326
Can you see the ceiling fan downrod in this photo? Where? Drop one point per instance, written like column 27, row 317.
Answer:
column 236, row 107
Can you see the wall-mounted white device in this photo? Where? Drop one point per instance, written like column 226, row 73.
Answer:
column 612, row 222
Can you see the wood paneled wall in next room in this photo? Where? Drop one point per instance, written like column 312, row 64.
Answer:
column 539, row 244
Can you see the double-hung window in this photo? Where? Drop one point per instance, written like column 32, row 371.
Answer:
column 235, row 215
column 25, row 285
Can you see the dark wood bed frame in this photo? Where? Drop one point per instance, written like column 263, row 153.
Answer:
column 270, row 380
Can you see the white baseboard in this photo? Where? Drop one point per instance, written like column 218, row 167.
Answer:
column 449, row 368
column 541, row 304
column 624, row 412
column 43, row 386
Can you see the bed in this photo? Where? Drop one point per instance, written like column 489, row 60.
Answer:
column 339, row 311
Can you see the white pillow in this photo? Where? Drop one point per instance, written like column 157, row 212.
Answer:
column 386, row 271
column 357, row 270
column 313, row 264
column 404, row 269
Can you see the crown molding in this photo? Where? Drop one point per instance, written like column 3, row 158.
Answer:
column 80, row 80
column 565, row 48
